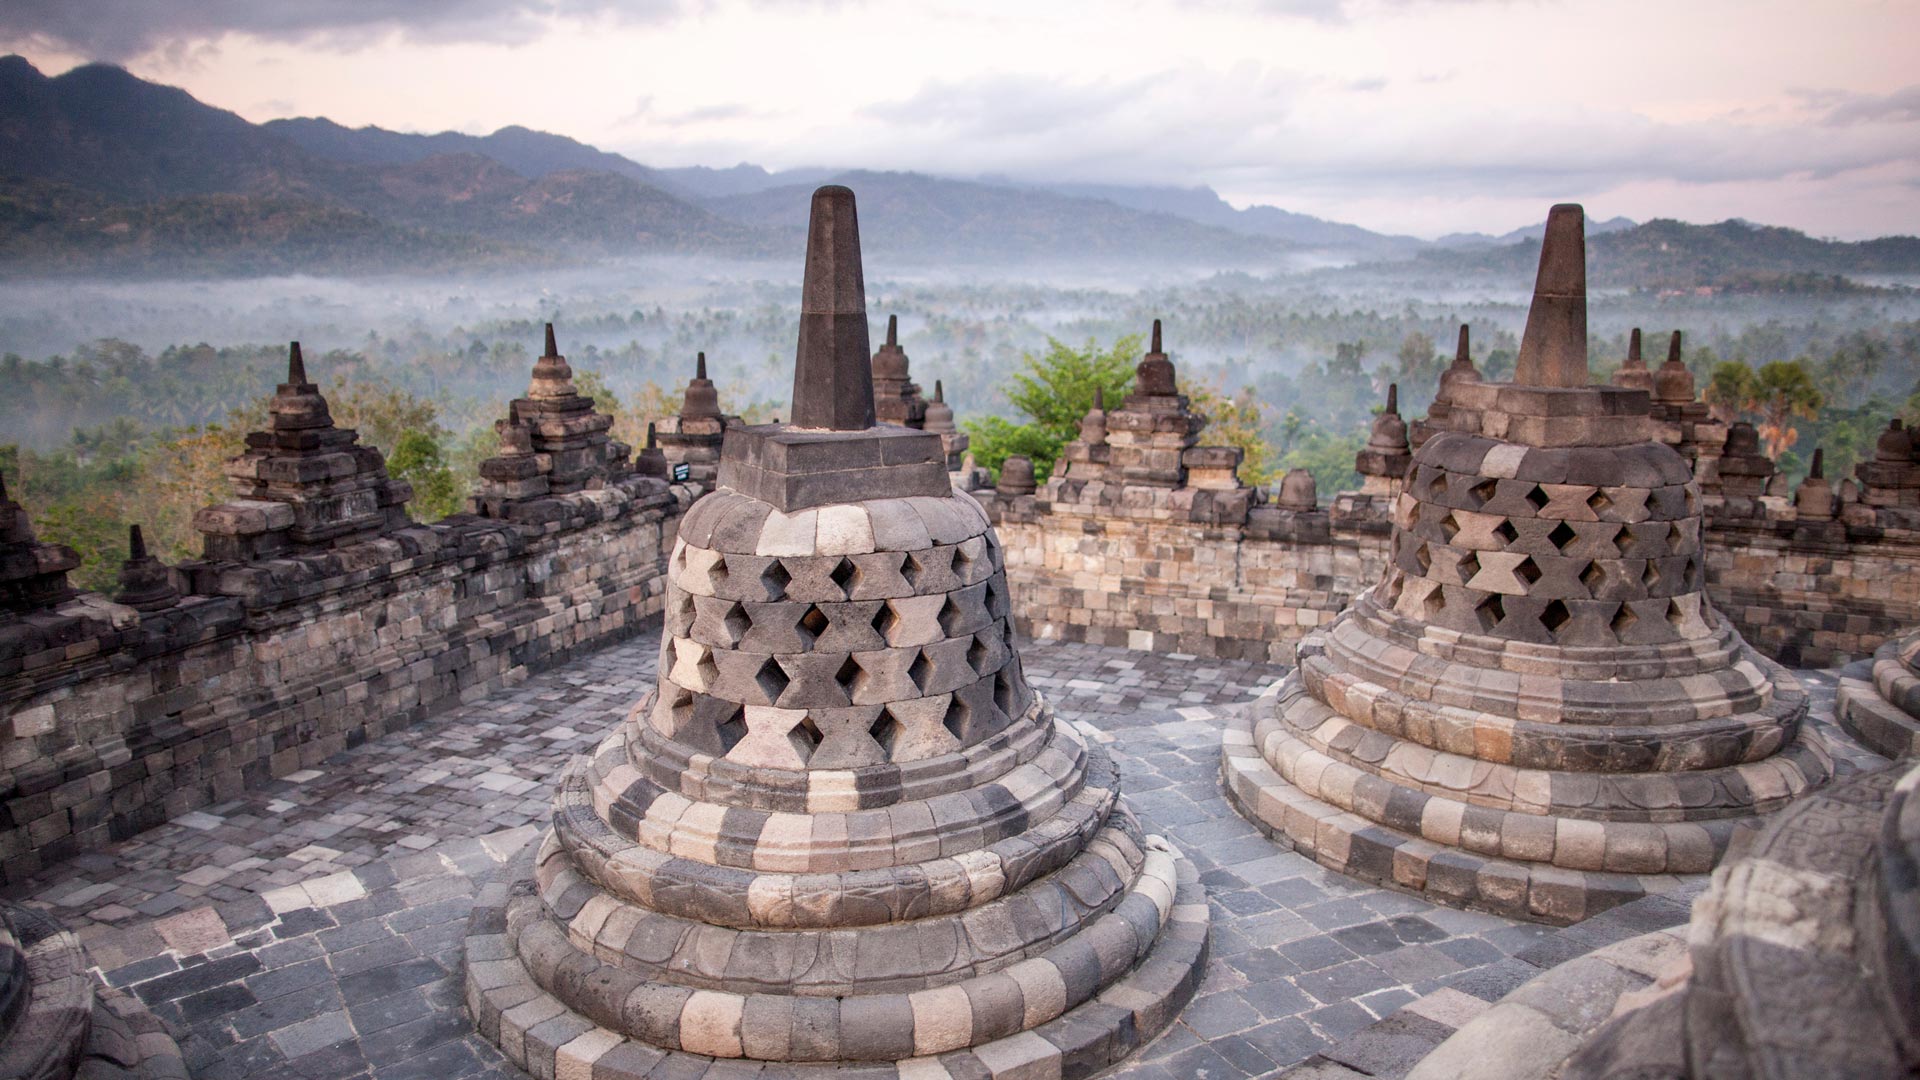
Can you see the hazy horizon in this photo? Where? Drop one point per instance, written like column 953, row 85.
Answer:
column 1422, row 117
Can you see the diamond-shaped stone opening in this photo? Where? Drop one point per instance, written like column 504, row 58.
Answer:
column 1693, row 570
column 884, row 620
column 1449, row 528
column 1003, row 693
column 951, row 617
column 1555, row 616
column 1593, row 577
column 679, row 705
column 776, row 579
column 1599, row 501
column 885, row 731
column 1506, row 532
column 737, row 623
column 1562, row 535
column 920, row 671
column 846, row 575
column 1490, row 612
column 686, row 607
column 1435, row 603
column 1396, row 584
column 962, row 564
column 1676, row 615
column 849, row 675
column 955, row 720
column 1527, row 571
column 979, row 654
column 709, row 671
column 1623, row 621
column 1650, row 577
column 1483, row 492
column 913, row 568
column 813, row 624
column 1693, row 499
column 805, row 737
column 1538, row 498
column 772, row 679
column 1424, row 557
column 1437, row 487
column 1675, row 537
column 1006, row 633
column 732, row 729
column 717, row 573
column 1469, row 566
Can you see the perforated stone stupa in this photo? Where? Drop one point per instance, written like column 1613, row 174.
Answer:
column 842, row 833
column 1536, row 711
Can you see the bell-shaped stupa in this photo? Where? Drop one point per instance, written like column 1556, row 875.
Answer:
column 843, row 831
column 1536, row 711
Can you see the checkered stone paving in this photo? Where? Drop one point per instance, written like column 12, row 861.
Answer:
column 312, row 928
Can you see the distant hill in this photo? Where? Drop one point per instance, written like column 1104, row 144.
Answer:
column 55, row 228
column 912, row 213
column 1527, row 232
column 104, row 172
column 1204, row 205
column 97, row 139
column 532, row 154
column 743, row 179
column 103, row 130
column 1664, row 253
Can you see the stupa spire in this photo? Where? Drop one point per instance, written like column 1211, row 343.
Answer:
column 1156, row 337
column 552, row 348
column 833, row 374
column 700, row 365
column 1553, row 351
column 136, row 543
column 296, row 365
column 1633, row 347
column 893, row 329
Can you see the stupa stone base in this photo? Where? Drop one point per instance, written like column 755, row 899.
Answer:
column 1884, row 711
column 1374, row 758
column 1347, row 843
column 1070, row 1008
column 1802, row 958
column 54, row 1025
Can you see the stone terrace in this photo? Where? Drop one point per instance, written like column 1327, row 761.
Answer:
column 313, row 927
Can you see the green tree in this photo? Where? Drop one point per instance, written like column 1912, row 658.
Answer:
column 1054, row 391
column 1237, row 421
column 418, row 459
column 1729, row 388
column 1784, row 390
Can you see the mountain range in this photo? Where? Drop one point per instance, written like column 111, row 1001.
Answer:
column 104, row 172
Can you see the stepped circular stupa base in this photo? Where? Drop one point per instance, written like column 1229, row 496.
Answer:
column 1883, row 710
column 1590, row 789
column 55, row 1024
column 1059, row 1028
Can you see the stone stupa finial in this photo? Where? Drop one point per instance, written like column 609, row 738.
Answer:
column 296, row 366
column 893, row 330
column 552, row 348
column 833, row 373
column 1553, row 350
column 700, row 365
column 1154, row 376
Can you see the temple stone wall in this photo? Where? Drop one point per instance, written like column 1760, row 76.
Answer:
column 1812, row 594
column 1144, row 574
column 112, row 721
column 1142, row 568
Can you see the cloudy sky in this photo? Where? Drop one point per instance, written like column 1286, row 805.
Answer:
column 1418, row 116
